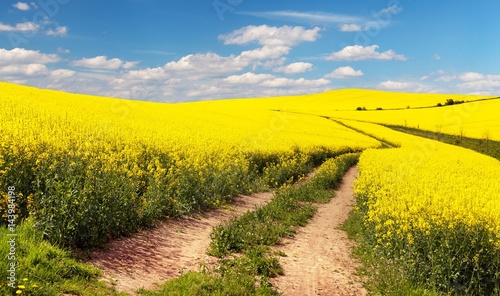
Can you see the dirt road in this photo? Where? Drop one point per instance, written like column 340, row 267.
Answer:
column 318, row 258
column 163, row 253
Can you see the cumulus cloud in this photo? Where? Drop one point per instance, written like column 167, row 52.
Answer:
column 269, row 80
column 248, row 78
column 25, row 56
column 59, row 31
column 446, row 78
column 62, row 73
column 102, row 62
column 480, row 83
column 265, row 52
column 20, row 27
column 395, row 85
column 286, row 82
column 63, row 50
column 146, row 74
column 350, row 28
column 471, row 76
column 344, row 72
column 252, row 72
column 207, row 90
column 23, row 70
column 294, row 68
column 22, row 6
column 206, row 64
column 272, row 36
column 358, row 53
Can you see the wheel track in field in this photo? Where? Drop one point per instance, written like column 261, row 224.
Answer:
column 175, row 246
column 318, row 262
column 319, row 258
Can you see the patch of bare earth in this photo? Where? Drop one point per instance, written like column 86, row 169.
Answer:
column 156, row 255
column 319, row 258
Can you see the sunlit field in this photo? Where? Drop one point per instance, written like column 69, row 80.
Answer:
column 90, row 169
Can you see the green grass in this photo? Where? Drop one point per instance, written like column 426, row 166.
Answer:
column 246, row 263
column 382, row 276
column 291, row 207
column 484, row 146
column 45, row 269
column 246, row 275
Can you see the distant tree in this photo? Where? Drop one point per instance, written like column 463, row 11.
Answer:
column 379, row 108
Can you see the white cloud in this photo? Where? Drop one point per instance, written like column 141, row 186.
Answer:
column 21, row 6
column 394, row 9
column 358, row 53
column 62, row 73
column 350, row 28
column 286, row 82
column 63, row 50
column 20, row 27
column 471, row 76
column 129, row 65
column 446, row 78
column 269, row 80
column 294, row 68
column 265, row 52
column 102, row 62
column 25, row 56
column 273, row 36
column 478, row 82
column 305, row 17
column 208, row 90
column 248, row 78
column 59, row 31
column 344, row 72
column 206, row 64
column 395, row 85
column 23, row 70
column 436, row 57
column 146, row 74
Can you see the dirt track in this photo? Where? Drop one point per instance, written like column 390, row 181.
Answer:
column 318, row 261
column 318, row 258
column 163, row 253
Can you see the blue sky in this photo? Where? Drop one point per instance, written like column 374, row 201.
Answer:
column 179, row 50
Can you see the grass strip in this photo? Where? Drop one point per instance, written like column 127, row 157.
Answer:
column 484, row 146
column 382, row 276
column 246, row 264
column 33, row 266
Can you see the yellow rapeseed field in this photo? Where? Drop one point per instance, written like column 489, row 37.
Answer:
column 435, row 207
column 479, row 119
column 476, row 118
column 91, row 168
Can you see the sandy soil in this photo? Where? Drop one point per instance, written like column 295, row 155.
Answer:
column 318, row 258
column 163, row 253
